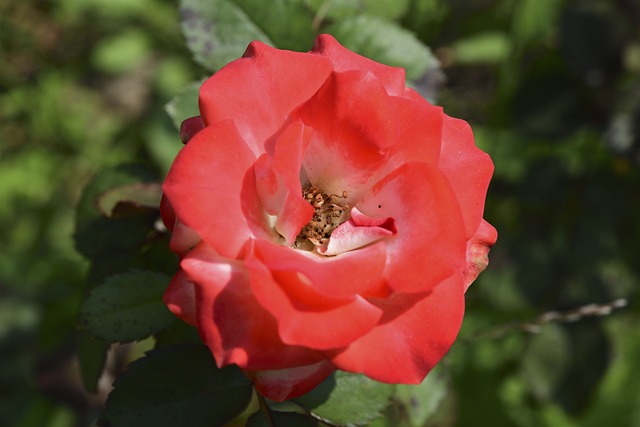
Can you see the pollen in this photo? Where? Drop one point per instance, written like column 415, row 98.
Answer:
column 328, row 214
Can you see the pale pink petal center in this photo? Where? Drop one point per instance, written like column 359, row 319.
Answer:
column 360, row 230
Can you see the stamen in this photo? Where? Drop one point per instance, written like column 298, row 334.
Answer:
column 328, row 215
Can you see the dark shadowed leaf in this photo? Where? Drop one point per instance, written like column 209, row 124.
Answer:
column 281, row 419
column 97, row 236
column 127, row 307
column 92, row 355
column 347, row 399
column 176, row 386
column 126, row 200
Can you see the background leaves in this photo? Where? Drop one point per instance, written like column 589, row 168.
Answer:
column 550, row 87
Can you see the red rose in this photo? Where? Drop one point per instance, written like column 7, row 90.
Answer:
column 326, row 217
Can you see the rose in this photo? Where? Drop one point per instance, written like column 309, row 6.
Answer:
column 326, row 217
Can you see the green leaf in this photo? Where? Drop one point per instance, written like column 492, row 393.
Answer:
column 546, row 360
column 347, row 399
column 127, row 307
column 339, row 9
column 92, row 355
column 484, row 48
column 384, row 41
column 120, row 201
column 176, row 386
column 97, row 236
column 184, row 104
column 535, row 20
column 178, row 333
column 281, row 419
column 421, row 402
column 217, row 31
column 287, row 23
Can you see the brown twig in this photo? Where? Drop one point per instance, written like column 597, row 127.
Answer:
column 534, row 326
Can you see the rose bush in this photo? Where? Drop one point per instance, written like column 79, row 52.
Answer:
column 326, row 217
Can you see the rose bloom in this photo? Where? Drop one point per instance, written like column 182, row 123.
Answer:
column 326, row 217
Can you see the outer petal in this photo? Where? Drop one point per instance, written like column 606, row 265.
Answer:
column 306, row 317
column 414, row 334
column 287, row 384
column 478, row 251
column 468, row 170
column 261, row 89
column 231, row 322
column 209, row 190
column 180, row 298
column 183, row 239
column 392, row 78
column 430, row 243
column 166, row 213
column 354, row 123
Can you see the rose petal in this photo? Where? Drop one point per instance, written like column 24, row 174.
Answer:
column 278, row 180
column 190, row 127
column 392, row 78
column 207, row 190
column 183, row 239
column 306, row 317
column 180, row 298
column 360, row 230
column 231, row 322
column 420, row 131
column 478, row 252
column 166, row 213
column 340, row 277
column 430, row 244
column 411, row 337
column 261, row 89
column 468, row 170
column 287, row 384
column 353, row 122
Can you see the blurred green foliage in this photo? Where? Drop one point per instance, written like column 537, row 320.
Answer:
column 551, row 88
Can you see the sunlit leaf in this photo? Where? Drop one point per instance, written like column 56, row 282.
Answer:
column 339, row 9
column 184, row 104
column 347, row 399
column 217, row 31
column 385, row 41
column 422, row 401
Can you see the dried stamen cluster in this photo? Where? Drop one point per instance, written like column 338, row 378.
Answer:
column 327, row 216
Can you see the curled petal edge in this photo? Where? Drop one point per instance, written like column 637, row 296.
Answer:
column 190, row 127
column 360, row 230
column 478, row 252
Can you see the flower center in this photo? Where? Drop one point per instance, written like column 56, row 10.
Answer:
column 328, row 214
